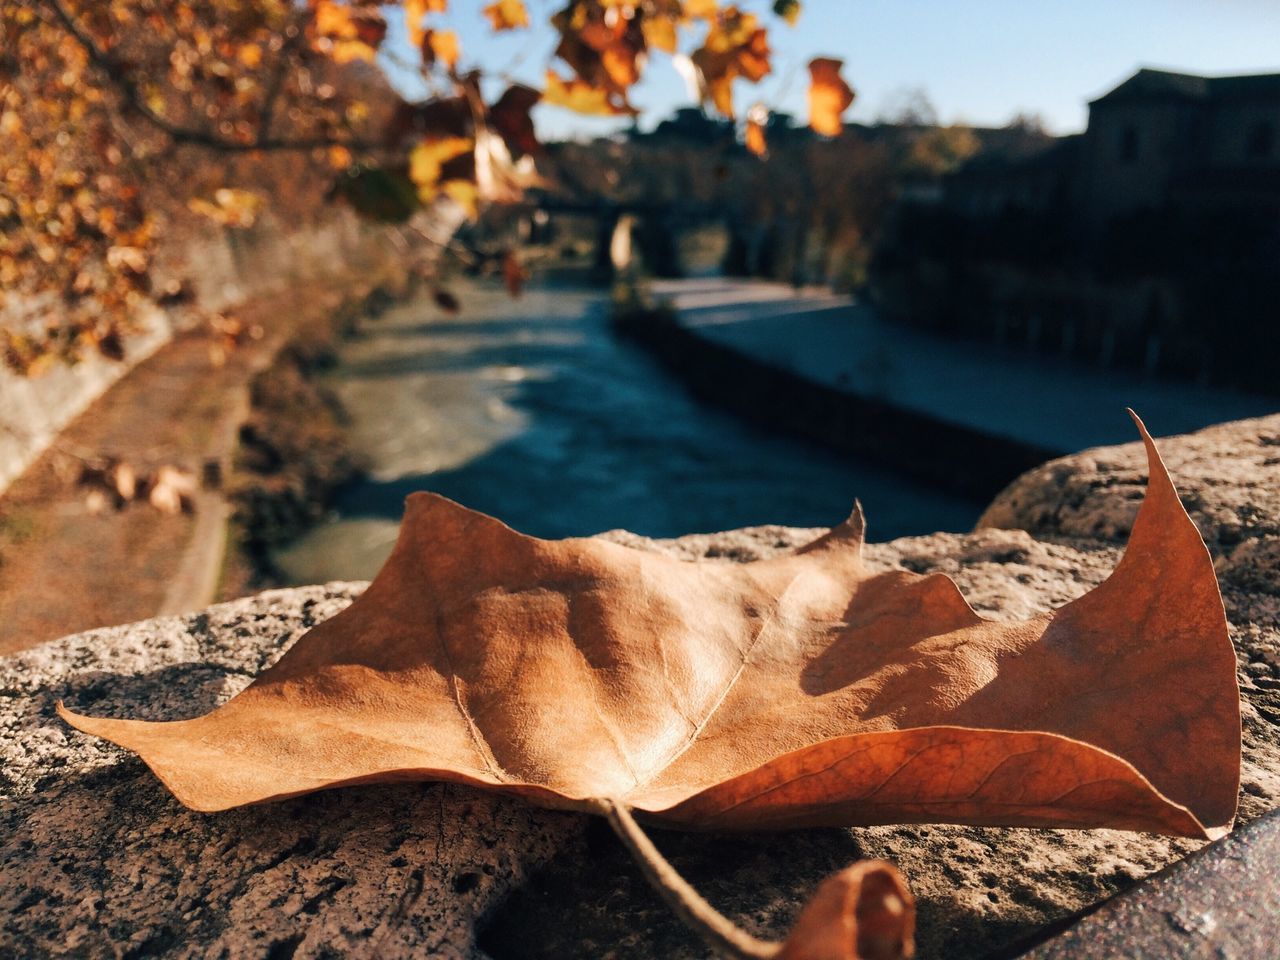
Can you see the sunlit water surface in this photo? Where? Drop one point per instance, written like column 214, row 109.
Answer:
column 531, row 410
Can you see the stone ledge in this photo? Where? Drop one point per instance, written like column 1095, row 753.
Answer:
column 1228, row 477
column 97, row 859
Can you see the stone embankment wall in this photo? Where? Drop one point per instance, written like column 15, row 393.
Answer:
column 222, row 268
column 965, row 460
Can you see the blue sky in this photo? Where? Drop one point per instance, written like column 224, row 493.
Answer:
column 979, row 61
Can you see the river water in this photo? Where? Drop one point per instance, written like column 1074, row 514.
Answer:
column 532, row 411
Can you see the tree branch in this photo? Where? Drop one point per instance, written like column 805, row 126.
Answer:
column 133, row 97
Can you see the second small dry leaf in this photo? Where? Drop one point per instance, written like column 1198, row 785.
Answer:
column 801, row 690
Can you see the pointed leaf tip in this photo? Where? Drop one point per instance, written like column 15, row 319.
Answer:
column 1137, row 420
column 857, row 521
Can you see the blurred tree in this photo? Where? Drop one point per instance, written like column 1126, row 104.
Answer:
column 120, row 117
column 908, row 107
column 940, row 150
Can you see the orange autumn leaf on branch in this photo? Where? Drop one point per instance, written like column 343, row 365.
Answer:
column 605, row 49
column 414, row 12
column 802, row 690
column 507, row 15
column 736, row 47
column 579, row 95
column 442, row 46
column 788, row 10
column 445, row 167
column 829, row 96
column 106, row 91
column 754, row 138
column 660, row 32
column 348, row 32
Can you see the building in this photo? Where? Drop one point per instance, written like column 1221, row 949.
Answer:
column 1162, row 138
column 1156, row 141
column 1152, row 239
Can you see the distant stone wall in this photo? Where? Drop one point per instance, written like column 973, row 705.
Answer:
column 222, row 268
column 34, row 409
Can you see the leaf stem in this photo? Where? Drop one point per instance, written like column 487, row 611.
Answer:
column 717, row 930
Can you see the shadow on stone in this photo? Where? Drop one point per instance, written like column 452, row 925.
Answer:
column 177, row 692
column 600, row 904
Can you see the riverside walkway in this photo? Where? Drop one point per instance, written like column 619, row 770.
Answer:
column 843, row 345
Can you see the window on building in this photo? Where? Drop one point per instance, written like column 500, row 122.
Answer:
column 1262, row 140
column 1129, row 144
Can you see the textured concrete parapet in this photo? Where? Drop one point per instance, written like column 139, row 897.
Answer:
column 96, row 857
column 1228, row 477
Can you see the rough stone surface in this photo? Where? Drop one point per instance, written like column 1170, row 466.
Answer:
column 981, row 891
column 1220, row 903
column 1228, row 477
column 97, row 858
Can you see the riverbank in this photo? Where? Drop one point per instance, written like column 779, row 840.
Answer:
column 293, row 449
column 65, row 567
column 968, row 419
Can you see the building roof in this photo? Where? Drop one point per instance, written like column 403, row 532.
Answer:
column 1148, row 84
column 1262, row 85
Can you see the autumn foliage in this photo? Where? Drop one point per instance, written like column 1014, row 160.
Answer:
column 119, row 120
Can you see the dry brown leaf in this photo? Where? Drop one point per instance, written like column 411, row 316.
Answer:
column 510, row 119
column 446, row 301
column 514, row 274
column 125, row 481
column 829, row 96
column 864, row 911
column 95, row 501
column 172, row 490
column 802, row 690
